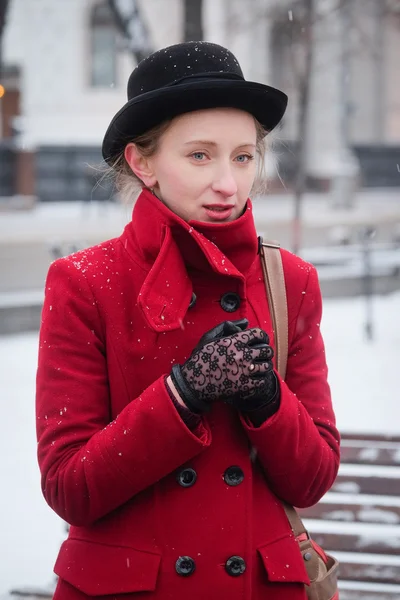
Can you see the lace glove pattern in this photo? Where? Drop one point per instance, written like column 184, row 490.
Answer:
column 236, row 369
column 224, row 329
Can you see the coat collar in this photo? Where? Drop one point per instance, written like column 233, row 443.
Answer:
column 172, row 248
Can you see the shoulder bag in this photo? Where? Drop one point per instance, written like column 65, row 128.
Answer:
column 322, row 568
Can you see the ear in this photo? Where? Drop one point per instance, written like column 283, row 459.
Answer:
column 140, row 165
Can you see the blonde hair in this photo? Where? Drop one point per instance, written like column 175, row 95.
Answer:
column 129, row 185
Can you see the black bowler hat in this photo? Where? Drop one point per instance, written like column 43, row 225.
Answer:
column 183, row 78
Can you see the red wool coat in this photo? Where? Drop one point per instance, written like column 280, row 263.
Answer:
column 112, row 446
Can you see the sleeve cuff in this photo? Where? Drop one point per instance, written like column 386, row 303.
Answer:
column 259, row 415
column 191, row 420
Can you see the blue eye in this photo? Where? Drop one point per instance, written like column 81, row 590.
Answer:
column 198, row 155
column 243, row 158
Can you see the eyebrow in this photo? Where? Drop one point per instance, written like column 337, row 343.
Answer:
column 210, row 143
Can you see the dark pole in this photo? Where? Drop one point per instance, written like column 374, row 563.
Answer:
column 3, row 14
column 367, row 235
column 300, row 183
column 193, row 20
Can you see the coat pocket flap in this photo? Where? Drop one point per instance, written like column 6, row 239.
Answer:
column 283, row 561
column 99, row 570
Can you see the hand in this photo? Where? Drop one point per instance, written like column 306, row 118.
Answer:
column 220, row 331
column 233, row 368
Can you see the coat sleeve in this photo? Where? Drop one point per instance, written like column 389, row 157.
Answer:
column 89, row 464
column 299, row 445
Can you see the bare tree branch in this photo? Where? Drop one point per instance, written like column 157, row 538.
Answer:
column 132, row 26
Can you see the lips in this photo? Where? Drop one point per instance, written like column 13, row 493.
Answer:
column 218, row 212
column 218, row 207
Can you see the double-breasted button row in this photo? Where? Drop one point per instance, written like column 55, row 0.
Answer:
column 233, row 476
column 234, row 566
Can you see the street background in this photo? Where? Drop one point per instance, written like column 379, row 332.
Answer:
column 333, row 192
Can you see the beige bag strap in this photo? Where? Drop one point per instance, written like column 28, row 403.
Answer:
column 274, row 279
column 296, row 523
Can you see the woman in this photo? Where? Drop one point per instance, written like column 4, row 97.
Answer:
column 170, row 456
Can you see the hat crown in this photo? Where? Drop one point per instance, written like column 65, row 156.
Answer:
column 174, row 63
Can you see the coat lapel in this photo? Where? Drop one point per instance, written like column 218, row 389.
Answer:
column 167, row 290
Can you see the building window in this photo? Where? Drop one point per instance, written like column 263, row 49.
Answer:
column 103, row 47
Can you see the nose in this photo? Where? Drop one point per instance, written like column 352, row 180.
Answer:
column 225, row 183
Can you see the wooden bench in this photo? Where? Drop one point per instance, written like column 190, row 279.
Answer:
column 358, row 521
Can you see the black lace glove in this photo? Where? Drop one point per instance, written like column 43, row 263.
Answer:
column 220, row 331
column 236, row 369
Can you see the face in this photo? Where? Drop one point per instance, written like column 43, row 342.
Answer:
column 205, row 164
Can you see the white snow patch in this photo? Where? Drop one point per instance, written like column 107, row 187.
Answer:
column 384, row 445
column 376, row 531
column 369, row 514
column 379, row 588
column 363, row 499
column 348, row 487
column 369, row 559
column 363, row 375
column 370, row 471
column 31, row 533
column 369, row 454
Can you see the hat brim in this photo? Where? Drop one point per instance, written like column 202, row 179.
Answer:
column 140, row 114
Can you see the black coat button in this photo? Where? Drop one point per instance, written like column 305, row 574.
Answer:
column 230, row 302
column 187, row 477
column 185, row 566
column 235, row 566
column 193, row 300
column 233, row 476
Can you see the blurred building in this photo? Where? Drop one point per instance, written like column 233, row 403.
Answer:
column 66, row 66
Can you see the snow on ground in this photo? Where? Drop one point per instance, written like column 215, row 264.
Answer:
column 30, row 532
column 363, row 374
column 363, row 377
